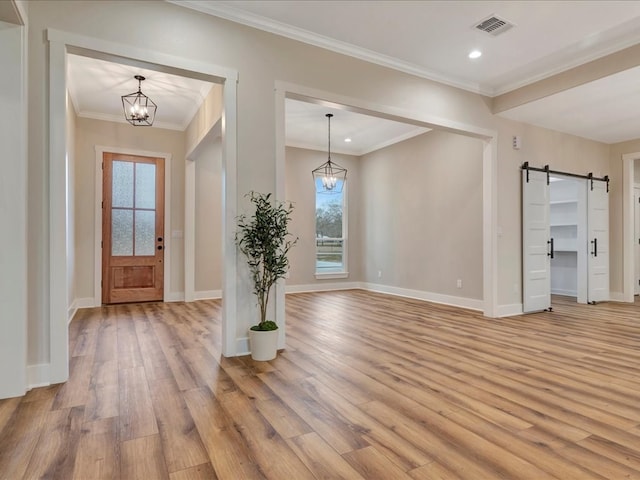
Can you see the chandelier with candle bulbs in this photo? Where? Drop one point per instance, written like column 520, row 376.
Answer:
column 329, row 177
column 139, row 110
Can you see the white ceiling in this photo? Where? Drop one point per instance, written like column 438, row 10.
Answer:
column 307, row 127
column 96, row 86
column 430, row 39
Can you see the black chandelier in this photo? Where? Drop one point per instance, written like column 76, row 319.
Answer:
column 329, row 177
column 139, row 110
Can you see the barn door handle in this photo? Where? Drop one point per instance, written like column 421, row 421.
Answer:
column 550, row 252
column 594, row 242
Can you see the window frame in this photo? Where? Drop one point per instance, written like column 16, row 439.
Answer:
column 344, row 272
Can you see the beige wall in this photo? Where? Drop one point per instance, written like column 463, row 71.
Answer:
column 300, row 191
column 422, row 215
column 71, row 169
column 90, row 133
column 208, row 216
column 261, row 60
column 540, row 147
column 207, row 115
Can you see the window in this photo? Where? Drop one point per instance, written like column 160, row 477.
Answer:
column 331, row 232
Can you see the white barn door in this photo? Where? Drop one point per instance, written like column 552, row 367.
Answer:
column 537, row 246
column 598, row 235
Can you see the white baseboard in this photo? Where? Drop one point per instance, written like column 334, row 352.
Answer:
column 38, row 375
column 509, row 310
column 566, row 293
column 322, row 287
column 242, row 346
column 470, row 303
column 207, row 295
column 617, row 297
column 71, row 312
column 87, row 302
column 174, row 297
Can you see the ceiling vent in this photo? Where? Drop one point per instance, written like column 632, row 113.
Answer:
column 494, row 25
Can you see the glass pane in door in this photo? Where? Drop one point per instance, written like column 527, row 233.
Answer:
column 122, row 184
column 121, row 232
column 145, row 232
column 145, row 185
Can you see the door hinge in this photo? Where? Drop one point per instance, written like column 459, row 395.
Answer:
column 102, row 205
column 101, row 244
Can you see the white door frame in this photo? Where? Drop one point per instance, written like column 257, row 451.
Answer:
column 628, row 233
column 636, row 246
column 14, row 377
column 59, row 43
column 489, row 174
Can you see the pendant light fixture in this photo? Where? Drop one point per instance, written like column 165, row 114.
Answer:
column 139, row 110
column 329, row 177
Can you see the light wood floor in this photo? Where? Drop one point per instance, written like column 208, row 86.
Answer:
column 369, row 387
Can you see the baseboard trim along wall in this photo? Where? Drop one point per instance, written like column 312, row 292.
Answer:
column 174, row 297
column 509, row 310
column 242, row 346
column 38, row 375
column 470, row 303
column 78, row 303
column 565, row 293
column 323, row 287
column 207, row 295
column 616, row 296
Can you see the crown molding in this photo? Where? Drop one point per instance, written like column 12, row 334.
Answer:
column 236, row 15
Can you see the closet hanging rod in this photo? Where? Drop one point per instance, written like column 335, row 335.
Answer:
column 589, row 176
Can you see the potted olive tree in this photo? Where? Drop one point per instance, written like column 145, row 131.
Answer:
column 264, row 239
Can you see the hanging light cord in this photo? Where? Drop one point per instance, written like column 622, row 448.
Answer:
column 329, row 115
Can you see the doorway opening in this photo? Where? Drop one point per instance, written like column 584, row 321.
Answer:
column 488, row 304
column 568, row 220
column 61, row 243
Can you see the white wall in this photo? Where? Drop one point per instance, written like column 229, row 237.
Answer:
column 13, row 212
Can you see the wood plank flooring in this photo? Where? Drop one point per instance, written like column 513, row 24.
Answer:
column 369, row 387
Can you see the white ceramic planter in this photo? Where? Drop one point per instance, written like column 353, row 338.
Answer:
column 264, row 345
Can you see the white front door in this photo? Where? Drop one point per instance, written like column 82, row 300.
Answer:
column 536, row 246
column 598, row 238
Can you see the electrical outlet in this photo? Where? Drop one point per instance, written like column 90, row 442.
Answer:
column 379, row 273
column 459, row 283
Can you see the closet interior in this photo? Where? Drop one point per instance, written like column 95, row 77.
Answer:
column 568, row 221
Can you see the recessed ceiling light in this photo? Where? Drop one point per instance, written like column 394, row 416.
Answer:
column 347, row 140
column 475, row 54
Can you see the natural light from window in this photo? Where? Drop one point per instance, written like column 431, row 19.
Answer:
column 330, row 225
